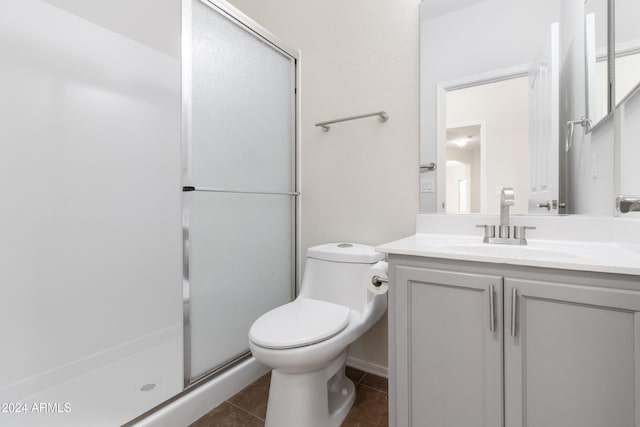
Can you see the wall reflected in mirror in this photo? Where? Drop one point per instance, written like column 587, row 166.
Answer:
column 487, row 146
column 627, row 54
column 597, row 62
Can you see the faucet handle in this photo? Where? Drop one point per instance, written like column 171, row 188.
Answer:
column 489, row 230
column 520, row 230
column 504, row 232
column 625, row 204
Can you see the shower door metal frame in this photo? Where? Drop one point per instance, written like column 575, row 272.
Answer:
column 249, row 25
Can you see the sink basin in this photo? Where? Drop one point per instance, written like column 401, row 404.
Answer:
column 513, row 251
column 600, row 254
column 535, row 249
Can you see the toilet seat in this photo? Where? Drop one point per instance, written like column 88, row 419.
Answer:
column 302, row 322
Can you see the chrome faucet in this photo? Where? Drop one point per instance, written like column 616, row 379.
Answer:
column 507, row 198
column 505, row 236
column 626, row 204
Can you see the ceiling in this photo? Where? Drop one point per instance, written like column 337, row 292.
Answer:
column 470, row 133
column 433, row 8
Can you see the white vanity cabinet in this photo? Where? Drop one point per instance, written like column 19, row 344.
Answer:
column 570, row 357
column 449, row 352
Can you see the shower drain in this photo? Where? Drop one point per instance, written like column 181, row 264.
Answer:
column 147, row 387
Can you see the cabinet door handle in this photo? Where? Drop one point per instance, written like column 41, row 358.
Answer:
column 514, row 297
column 492, row 314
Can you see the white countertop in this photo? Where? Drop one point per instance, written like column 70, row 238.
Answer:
column 598, row 244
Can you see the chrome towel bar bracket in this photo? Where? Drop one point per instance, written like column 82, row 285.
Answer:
column 382, row 116
column 584, row 122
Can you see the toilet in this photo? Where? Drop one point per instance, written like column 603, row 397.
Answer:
column 305, row 341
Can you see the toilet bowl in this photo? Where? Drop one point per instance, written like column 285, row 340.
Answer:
column 305, row 342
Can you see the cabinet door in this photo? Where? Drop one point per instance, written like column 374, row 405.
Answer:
column 573, row 357
column 448, row 349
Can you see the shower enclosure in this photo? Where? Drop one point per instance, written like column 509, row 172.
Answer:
column 240, row 192
column 148, row 188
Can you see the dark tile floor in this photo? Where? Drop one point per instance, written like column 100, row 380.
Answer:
column 249, row 407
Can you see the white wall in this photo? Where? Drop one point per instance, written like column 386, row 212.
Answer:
column 627, row 74
column 90, row 259
column 628, row 129
column 360, row 179
column 627, row 12
column 482, row 37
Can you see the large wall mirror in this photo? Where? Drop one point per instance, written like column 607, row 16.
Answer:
column 495, row 110
column 612, row 48
column 627, row 47
column 599, row 76
column 494, row 119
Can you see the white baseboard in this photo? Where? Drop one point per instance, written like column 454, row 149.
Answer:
column 367, row 366
column 198, row 402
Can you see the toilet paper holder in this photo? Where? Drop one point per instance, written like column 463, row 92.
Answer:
column 377, row 281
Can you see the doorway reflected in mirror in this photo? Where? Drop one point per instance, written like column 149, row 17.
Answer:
column 487, row 145
column 464, row 168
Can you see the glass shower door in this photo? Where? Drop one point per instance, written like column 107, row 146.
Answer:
column 239, row 207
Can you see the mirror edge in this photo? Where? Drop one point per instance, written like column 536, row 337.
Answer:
column 611, row 72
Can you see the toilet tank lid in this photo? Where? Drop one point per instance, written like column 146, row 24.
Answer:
column 345, row 252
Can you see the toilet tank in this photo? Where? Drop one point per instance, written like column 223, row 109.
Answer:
column 336, row 272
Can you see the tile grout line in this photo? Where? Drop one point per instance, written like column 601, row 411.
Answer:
column 360, row 382
column 374, row 389
column 244, row 410
column 361, row 378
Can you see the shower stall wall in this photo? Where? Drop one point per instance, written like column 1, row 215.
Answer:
column 120, row 287
column 90, row 225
